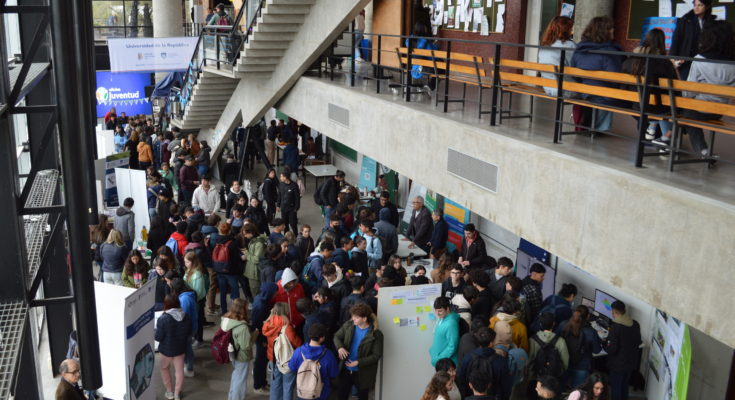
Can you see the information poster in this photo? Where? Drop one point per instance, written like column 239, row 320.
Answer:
column 456, row 217
column 119, row 160
column 670, row 357
column 667, row 25
column 368, row 176
column 125, row 92
column 139, row 337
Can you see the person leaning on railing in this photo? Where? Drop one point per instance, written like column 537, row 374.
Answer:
column 715, row 43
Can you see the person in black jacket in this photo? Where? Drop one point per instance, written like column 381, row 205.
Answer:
column 455, row 284
column 623, row 354
column 270, row 193
column 420, row 226
column 335, row 280
column 289, row 198
column 438, row 242
column 472, row 253
column 483, row 306
column 384, row 202
column 499, row 276
column 172, row 334
column 685, row 41
column 256, row 214
column 158, row 234
column 329, row 193
column 261, row 311
column 345, row 305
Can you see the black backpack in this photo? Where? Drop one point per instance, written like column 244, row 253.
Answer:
column 548, row 360
column 318, row 194
column 575, row 346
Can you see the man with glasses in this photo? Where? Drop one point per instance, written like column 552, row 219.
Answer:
column 421, row 225
column 68, row 388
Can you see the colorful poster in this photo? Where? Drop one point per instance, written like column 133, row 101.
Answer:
column 456, row 217
column 119, row 160
column 667, row 25
column 368, row 172
column 123, row 91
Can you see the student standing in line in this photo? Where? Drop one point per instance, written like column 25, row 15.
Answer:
column 236, row 322
column 282, row 383
column 173, row 331
column 593, row 388
column 360, row 347
column 317, row 351
column 289, row 199
column 439, row 386
column 112, row 253
column 446, row 332
column 623, row 341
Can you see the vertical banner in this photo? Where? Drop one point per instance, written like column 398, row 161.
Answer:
column 368, row 174
column 139, row 352
column 430, row 200
column 119, row 160
column 456, row 217
column 131, row 183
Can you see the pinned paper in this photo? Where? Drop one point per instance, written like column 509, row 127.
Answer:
column 432, row 317
column 419, row 309
column 396, row 301
column 416, row 300
column 422, row 327
column 397, row 320
column 427, row 308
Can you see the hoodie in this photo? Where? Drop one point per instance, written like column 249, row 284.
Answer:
column 261, row 308
column 242, row 340
column 545, row 337
column 584, row 58
column 519, row 332
column 232, row 199
column 291, row 296
column 313, row 273
column 173, row 330
column 716, row 74
column 328, row 366
column 446, row 339
column 125, row 223
column 272, row 328
column 623, row 341
column 502, row 380
column 188, row 302
column 341, row 258
column 387, row 231
column 341, row 288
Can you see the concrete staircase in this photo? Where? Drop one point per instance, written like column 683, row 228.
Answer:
column 209, row 96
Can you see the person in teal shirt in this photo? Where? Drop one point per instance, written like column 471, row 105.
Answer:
column 446, row 332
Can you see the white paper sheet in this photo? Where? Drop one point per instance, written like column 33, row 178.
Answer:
column 484, row 26
column 499, row 22
column 664, row 8
column 682, row 8
column 567, row 10
column 720, row 12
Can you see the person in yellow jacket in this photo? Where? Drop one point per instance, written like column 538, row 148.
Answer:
column 508, row 312
column 145, row 153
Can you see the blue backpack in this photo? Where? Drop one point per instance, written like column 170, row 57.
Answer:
column 517, row 363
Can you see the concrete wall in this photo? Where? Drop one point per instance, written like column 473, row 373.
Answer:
column 601, row 219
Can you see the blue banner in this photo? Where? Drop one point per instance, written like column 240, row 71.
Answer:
column 125, row 92
column 368, row 176
column 139, row 323
column 666, row 24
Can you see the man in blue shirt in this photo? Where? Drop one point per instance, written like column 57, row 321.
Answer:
column 315, row 350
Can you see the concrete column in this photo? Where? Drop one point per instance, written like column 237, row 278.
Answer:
column 168, row 21
column 369, row 18
column 586, row 10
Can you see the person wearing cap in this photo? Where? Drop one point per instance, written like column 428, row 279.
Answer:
column 289, row 292
column 205, row 197
column 329, row 192
column 188, row 179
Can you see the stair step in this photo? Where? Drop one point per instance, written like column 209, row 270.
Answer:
column 268, row 28
column 286, row 9
column 255, row 68
column 273, row 36
column 216, row 86
column 250, row 53
column 259, row 60
column 281, row 19
column 267, row 44
column 295, row 2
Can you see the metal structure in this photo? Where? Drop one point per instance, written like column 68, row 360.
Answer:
column 46, row 203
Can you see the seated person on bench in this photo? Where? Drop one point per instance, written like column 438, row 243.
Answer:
column 424, row 31
column 557, row 34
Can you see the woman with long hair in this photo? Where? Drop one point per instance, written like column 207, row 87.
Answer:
column 594, row 388
column 582, row 341
column 256, row 214
column 270, row 193
column 158, row 272
column 187, row 299
column 131, row 146
column 558, row 34
column 282, row 379
column 439, row 386
column 441, row 272
column 167, row 259
column 236, row 322
column 135, row 271
column 113, row 254
column 196, row 277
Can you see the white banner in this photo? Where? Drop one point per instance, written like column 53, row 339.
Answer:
column 151, row 54
column 139, row 351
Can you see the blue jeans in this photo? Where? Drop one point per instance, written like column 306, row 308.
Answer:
column 575, row 377
column 619, row 383
column 327, row 213
column 187, row 195
column 603, row 120
column 202, row 169
column 260, row 366
column 189, row 354
column 282, row 385
column 225, row 281
column 238, row 382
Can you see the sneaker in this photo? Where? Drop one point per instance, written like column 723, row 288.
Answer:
column 660, row 142
column 177, row 397
column 201, row 345
column 170, row 395
column 651, row 133
column 262, row 391
column 188, row 373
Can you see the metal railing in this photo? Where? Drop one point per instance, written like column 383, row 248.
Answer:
column 384, row 59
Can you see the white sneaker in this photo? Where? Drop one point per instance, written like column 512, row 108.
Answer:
column 170, row 395
column 651, row 133
column 188, row 373
column 262, row 391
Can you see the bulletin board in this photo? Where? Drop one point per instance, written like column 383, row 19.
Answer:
column 406, row 318
column 640, row 9
column 478, row 11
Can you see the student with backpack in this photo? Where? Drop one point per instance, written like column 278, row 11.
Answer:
column 177, row 241
column 582, row 341
column 282, row 339
column 517, row 357
column 485, row 359
column 549, row 355
column 312, row 274
column 314, row 365
column 226, row 264
column 359, row 344
column 558, row 304
column 235, row 341
column 261, row 310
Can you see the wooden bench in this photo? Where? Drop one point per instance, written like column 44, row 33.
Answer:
column 519, row 83
column 678, row 104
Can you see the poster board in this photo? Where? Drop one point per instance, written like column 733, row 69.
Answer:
column 670, row 357
column 105, row 171
column 478, row 16
column 139, row 347
column 110, row 304
column 456, row 217
column 368, row 174
column 105, row 142
column 131, row 183
column 523, row 265
column 406, row 364
column 641, row 9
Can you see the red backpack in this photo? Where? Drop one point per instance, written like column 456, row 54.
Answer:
column 220, row 344
column 221, row 258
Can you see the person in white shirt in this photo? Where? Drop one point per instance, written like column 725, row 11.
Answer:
column 206, row 197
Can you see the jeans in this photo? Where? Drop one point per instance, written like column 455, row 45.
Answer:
column 696, row 135
column 260, row 366
column 113, row 278
column 212, row 293
column 187, row 195
column 152, row 212
column 282, row 385
column 202, row 169
column 239, row 380
column 603, row 120
column 575, row 377
column 619, row 383
column 665, row 126
column 189, row 354
column 225, row 281
column 327, row 213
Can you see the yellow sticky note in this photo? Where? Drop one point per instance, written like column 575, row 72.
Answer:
column 419, row 309
column 394, row 301
column 427, row 308
column 422, row 327
column 396, row 320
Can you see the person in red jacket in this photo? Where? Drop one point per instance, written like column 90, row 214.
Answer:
column 289, row 291
column 180, row 237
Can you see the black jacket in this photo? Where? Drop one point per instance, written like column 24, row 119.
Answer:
column 330, row 191
column 394, row 220
column 420, row 227
column 173, row 334
column 270, row 190
column 439, row 236
column 622, row 349
column 306, row 247
column 497, row 286
column 257, row 215
column 231, row 199
column 359, row 263
column 340, row 290
column 268, row 270
column 346, row 304
column 450, row 291
column 484, row 305
column 475, row 253
column 685, row 41
column 289, row 196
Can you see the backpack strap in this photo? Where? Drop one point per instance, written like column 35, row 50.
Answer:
column 553, row 340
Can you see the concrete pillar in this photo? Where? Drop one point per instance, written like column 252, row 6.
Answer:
column 586, row 10
column 168, row 21
column 369, row 18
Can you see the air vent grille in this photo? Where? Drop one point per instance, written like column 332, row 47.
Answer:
column 338, row 114
column 471, row 169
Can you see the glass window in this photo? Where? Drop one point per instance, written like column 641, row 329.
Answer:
column 128, row 18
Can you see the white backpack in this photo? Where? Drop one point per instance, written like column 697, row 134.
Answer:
column 309, row 383
column 282, row 351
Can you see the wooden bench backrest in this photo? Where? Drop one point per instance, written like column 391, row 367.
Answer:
column 689, row 103
column 438, row 59
column 504, row 62
column 616, row 77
